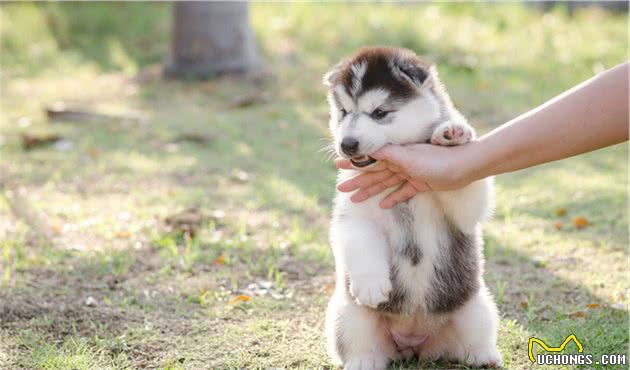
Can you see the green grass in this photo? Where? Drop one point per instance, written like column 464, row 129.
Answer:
column 166, row 301
column 74, row 353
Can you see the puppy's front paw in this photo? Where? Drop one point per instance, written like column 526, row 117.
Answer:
column 368, row 361
column 451, row 133
column 370, row 290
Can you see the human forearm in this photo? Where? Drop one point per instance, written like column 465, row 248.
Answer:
column 590, row 116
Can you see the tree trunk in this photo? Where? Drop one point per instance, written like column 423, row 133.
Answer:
column 613, row 6
column 211, row 38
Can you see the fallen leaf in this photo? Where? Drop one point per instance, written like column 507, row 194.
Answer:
column 561, row 212
column 580, row 222
column 577, row 314
column 219, row 260
column 559, row 225
column 524, row 304
column 93, row 152
column 33, row 141
column 328, row 288
column 57, row 228
column 593, row 305
column 240, row 298
column 124, row 234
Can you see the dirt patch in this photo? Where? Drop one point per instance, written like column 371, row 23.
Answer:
column 60, row 320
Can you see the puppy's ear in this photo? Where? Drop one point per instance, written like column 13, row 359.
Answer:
column 412, row 71
column 332, row 76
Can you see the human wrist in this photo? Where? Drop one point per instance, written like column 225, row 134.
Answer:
column 472, row 162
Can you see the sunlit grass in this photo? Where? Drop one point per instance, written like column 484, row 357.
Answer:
column 109, row 195
column 73, row 354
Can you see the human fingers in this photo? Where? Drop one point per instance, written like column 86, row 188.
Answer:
column 401, row 194
column 393, row 167
column 395, row 156
column 370, row 191
column 344, row 164
column 419, row 185
column 391, row 153
column 364, row 180
column 378, row 166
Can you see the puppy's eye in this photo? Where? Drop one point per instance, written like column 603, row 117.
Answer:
column 344, row 113
column 379, row 114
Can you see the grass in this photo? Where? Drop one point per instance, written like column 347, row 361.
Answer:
column 162, row 300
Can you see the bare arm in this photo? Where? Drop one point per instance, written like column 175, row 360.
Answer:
column 589, row 116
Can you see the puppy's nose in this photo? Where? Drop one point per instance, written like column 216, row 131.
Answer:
column 349, row 145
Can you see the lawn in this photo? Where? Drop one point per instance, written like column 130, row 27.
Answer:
column 95, row 272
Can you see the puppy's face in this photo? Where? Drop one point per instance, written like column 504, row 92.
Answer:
column 380, row 96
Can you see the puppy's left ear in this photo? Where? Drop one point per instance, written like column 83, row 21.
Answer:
column 332, row 76
column 413, row 71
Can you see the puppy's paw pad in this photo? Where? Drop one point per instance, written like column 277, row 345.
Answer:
column 370, row 361
column 370, row 291
column 450, row 133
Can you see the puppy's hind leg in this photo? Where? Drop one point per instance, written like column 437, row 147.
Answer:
column 357, row 338
column 475, row 332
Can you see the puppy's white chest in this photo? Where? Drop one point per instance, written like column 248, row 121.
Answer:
column 412, row 232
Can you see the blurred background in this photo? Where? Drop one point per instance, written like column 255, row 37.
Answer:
column 165, row 200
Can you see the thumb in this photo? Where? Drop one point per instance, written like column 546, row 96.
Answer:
column 391, row 153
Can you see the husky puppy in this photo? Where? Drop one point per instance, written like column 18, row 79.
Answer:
column 409, row 279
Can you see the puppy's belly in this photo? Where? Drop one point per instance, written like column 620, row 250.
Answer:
column 408, row 334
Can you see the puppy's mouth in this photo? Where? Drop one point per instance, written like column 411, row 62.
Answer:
column 362, row 161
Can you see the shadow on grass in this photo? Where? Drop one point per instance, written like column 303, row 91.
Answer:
column 143, row 303
column 103, row 33
column 146, row 303
column 596, row 189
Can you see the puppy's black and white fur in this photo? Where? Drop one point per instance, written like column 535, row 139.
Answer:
column 409, row 279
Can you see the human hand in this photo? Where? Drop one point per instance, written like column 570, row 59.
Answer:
column 413, row 168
